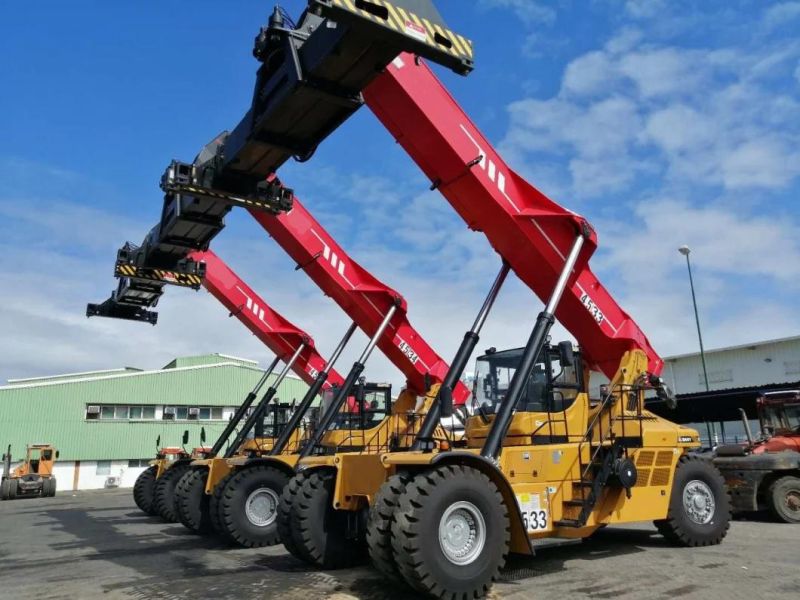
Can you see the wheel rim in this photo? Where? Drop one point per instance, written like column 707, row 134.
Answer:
column 261, row 507
column 462, row 533
column 793, row 501
column 698, row 502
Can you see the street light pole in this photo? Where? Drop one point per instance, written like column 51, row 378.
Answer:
column 685, row 250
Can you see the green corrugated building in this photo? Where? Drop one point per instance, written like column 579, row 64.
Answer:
column 105, row 423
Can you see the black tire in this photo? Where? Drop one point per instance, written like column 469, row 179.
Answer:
column 319, row 531
column 5, row 489
column 288, row 497
column 52, row 487
column 213, row 506
column 681, row 529
column 379, row 525
column 784, row 499
column 415, row 532
column 13, row 488
column 192, row 502
column 237, row 523
column 144, row 490
column 164, row 494
column 45, row 493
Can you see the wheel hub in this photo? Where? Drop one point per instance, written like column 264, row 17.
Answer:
column 698, row 502
column 462, row 533
column 793, row 500
column 261, row 507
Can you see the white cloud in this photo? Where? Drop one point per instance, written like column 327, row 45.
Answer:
column 701, row 116
column 781, row 14
column 644, row 9
column 530, row 11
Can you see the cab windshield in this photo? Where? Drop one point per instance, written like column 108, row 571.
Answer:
column 551, row 387
column 782, row 417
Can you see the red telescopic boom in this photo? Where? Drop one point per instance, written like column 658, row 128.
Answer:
column 271, row 328
column 526, row 228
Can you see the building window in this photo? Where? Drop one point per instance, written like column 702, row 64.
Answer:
column 121, row 412
column 103, row 467
column 792, row 367
column 722, row 376
column 216, row 413
column 182, row 412
column 135, row 463
column 205, row 414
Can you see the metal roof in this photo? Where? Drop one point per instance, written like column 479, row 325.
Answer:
column 751, row 345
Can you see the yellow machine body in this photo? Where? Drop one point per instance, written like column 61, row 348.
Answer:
column 39, row 460
column 539, row 478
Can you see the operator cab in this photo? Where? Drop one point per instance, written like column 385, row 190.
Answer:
column 555, row 382
column 373, row 403
column 275, row 421
column 779, row 413
column 546, row 405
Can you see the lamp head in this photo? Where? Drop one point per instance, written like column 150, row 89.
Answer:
column 685, row 250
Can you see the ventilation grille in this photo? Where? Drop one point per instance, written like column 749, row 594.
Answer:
column 645, row 458
column 664, row 459
column 641, row 477
column 660, row 477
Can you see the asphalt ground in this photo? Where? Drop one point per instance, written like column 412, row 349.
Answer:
column 99, row 545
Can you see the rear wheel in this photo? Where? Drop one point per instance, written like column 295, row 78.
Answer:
column 52, row 486
column 248, row 507
column 5, row 487
column 784, row 499
column 699, row 511
column 451, row 533
column 164, row 496
column 322, row 535
column 144, row 489
column 213, row 505
column 288, row 498
column 191, row 501
column 379, row 526
column 13, row 488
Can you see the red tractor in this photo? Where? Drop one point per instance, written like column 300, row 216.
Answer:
column 765, row 472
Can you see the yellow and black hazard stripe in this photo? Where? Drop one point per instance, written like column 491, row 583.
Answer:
column 161, row 275
column 409, row 24
column 227, row 198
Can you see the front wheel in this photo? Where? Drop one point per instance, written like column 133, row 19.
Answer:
column 248, row 506
column 451, row 532
column 144, row 489
column 784, row 499
column 699, row 511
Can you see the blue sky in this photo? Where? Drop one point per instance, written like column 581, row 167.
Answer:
column 664, row 122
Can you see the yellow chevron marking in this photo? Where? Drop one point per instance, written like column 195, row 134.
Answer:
column 447, row 34
column 467, row 45
column 399, row 25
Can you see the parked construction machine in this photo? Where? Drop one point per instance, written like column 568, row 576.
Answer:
column 34, row 477
column 542, row 458
column 764, row 473
column 376, row 308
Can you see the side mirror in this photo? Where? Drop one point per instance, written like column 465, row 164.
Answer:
column 202, row 435
column 566, row 353
column 158, row 442
column 58, row 453
column 185, row 438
